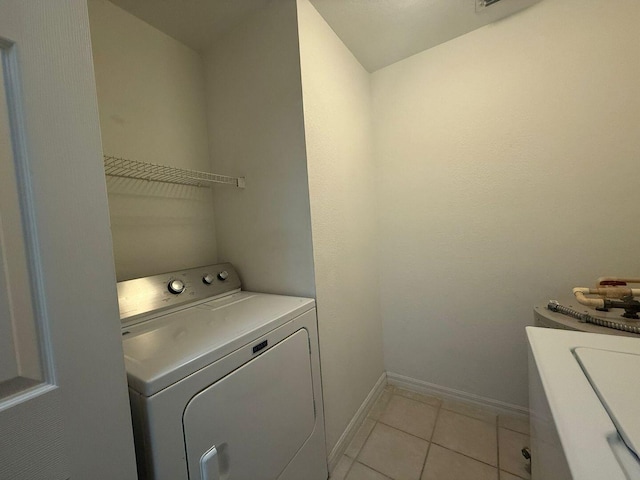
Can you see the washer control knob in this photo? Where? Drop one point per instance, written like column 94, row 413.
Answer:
column 223, row 275
column 176, row 286
column 208, row 279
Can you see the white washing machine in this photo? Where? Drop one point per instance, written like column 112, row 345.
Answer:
column 224, row 384
column 584, row 394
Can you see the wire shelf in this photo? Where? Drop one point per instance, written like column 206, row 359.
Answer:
column 125, row 168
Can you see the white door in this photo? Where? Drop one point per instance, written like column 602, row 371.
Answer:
column 63, row 397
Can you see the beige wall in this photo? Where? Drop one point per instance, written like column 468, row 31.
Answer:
column 256, row 130
column 507, row 172
column 337, row 115
column 151, row 96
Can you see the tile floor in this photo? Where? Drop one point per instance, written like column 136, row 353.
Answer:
column 408, row 436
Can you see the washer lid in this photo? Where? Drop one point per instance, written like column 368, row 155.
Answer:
column 166, row 349
column 614, row 377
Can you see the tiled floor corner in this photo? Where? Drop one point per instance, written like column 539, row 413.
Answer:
column 411, row 436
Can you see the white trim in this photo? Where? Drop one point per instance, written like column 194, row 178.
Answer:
column 345, row 439
column 17, row 128
column 421, row 386
column 26, row 395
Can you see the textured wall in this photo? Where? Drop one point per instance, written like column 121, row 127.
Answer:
column 151, row 96
column 337, row 115
column 507, row 167
column 256, row 130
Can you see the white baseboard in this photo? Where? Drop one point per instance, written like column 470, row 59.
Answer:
column 421, row 386
column 345, row 439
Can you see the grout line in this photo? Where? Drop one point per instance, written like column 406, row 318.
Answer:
column 371, row 468
column 390, row 426
column 498, row 447
column 360, row 451
column 443, row 407
column 402, row 431
column 505, row 469
column 440, row 401
column 471, row 416
column 364, row 412
column 517, row 431
column 465, row 455
column 512, row 474
column 375, row 422
column 346, row 475
column 365, row 442
column 424, row 465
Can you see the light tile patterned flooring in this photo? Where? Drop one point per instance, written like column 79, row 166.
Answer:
column 408, row 436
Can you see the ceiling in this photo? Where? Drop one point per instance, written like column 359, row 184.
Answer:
column 382, row 32
column 378, row 32
column 196, row 23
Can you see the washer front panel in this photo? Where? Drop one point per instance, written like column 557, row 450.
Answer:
column 256, row 418
column 160, row 416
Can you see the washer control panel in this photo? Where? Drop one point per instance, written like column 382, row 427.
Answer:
column 142, row 296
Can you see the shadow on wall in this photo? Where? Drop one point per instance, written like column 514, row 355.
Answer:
column 159, row 227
